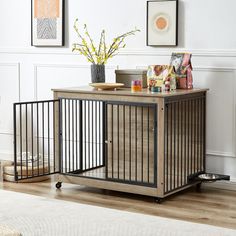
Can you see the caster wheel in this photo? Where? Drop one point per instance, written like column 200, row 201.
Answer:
column 58, row 185
column 158, row 200
column 198, row 187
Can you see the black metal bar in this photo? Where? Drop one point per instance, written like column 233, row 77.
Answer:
column 60, row 136
column 54, row 137
column 85, row 135
column 69, row 134
column 142, row 143
column 15, row 143
column 171, row 143
column 49, row 138
column 130, row 144
column 174, row 143
column 181, row 142
column 104, row 115
column 21, row 144
column 35, row 102
column 148, row 154
column 99, row 133
column 197, row 125
column 194, row 136
column 32, row 137
column 96, row 133
column 78, row 165
column 204, row 134
column 177, row 145
column 38, row 136
column 136, row 145
column 92, row 134
column 124, row 139
column 185, row 142
column 118, row 141
column 43, row 135
column 201, row 136
column 167, row 147
column 65, row 103
column 112, row 142
column 155, row 146
column 181, row 145
column 73, row 133
column 81, row 133
column 189, row 134
column 26, row 139
column 89, row 124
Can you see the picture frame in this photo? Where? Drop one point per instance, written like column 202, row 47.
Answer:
column 162, row 23
column 47, row 23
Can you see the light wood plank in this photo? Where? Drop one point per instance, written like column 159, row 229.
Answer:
column 211, row 206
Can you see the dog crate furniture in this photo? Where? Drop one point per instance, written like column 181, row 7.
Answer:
column 143, row 143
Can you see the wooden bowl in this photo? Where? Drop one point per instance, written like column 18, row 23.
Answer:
column 106, row 86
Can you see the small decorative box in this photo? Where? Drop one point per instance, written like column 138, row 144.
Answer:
column 127, row 76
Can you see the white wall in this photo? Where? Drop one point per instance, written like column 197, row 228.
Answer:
column 206, row 28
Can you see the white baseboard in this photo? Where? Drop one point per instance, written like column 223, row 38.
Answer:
column 5, row 156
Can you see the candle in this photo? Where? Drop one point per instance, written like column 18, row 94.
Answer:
column 136, row 86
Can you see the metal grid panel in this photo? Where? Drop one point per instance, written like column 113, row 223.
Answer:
column 184, row 140
column 35, row 135
column 82, row 137
column 131, row 130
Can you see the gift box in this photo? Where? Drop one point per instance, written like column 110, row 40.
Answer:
column 183, row 69
column 161, row 76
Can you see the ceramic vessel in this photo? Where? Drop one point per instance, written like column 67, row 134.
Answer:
column 98, row 73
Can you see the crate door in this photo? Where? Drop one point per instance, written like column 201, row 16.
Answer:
column 36, row 139
column 131, row 155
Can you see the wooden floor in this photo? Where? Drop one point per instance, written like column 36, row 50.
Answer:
column 210, row 206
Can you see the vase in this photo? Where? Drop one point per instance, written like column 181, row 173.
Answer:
column 98, row 73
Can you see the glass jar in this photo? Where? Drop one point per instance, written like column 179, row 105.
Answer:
column 136, row 86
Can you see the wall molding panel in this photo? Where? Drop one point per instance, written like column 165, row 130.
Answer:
column 15, row 66
column 37, row 66
column 221, row 53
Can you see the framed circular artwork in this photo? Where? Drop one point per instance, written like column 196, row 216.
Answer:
column 162, row 23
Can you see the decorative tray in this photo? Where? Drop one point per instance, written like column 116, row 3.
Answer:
column 106, row 86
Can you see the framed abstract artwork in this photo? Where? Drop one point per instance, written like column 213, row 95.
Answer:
column 47, row 23
column 162, row 23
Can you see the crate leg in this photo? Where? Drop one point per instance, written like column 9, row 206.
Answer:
column 198, row 187
column 158, row 200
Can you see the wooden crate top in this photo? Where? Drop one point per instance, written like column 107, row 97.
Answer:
column 127, row 92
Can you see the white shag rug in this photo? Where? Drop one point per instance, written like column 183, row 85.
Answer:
column 39, row 216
